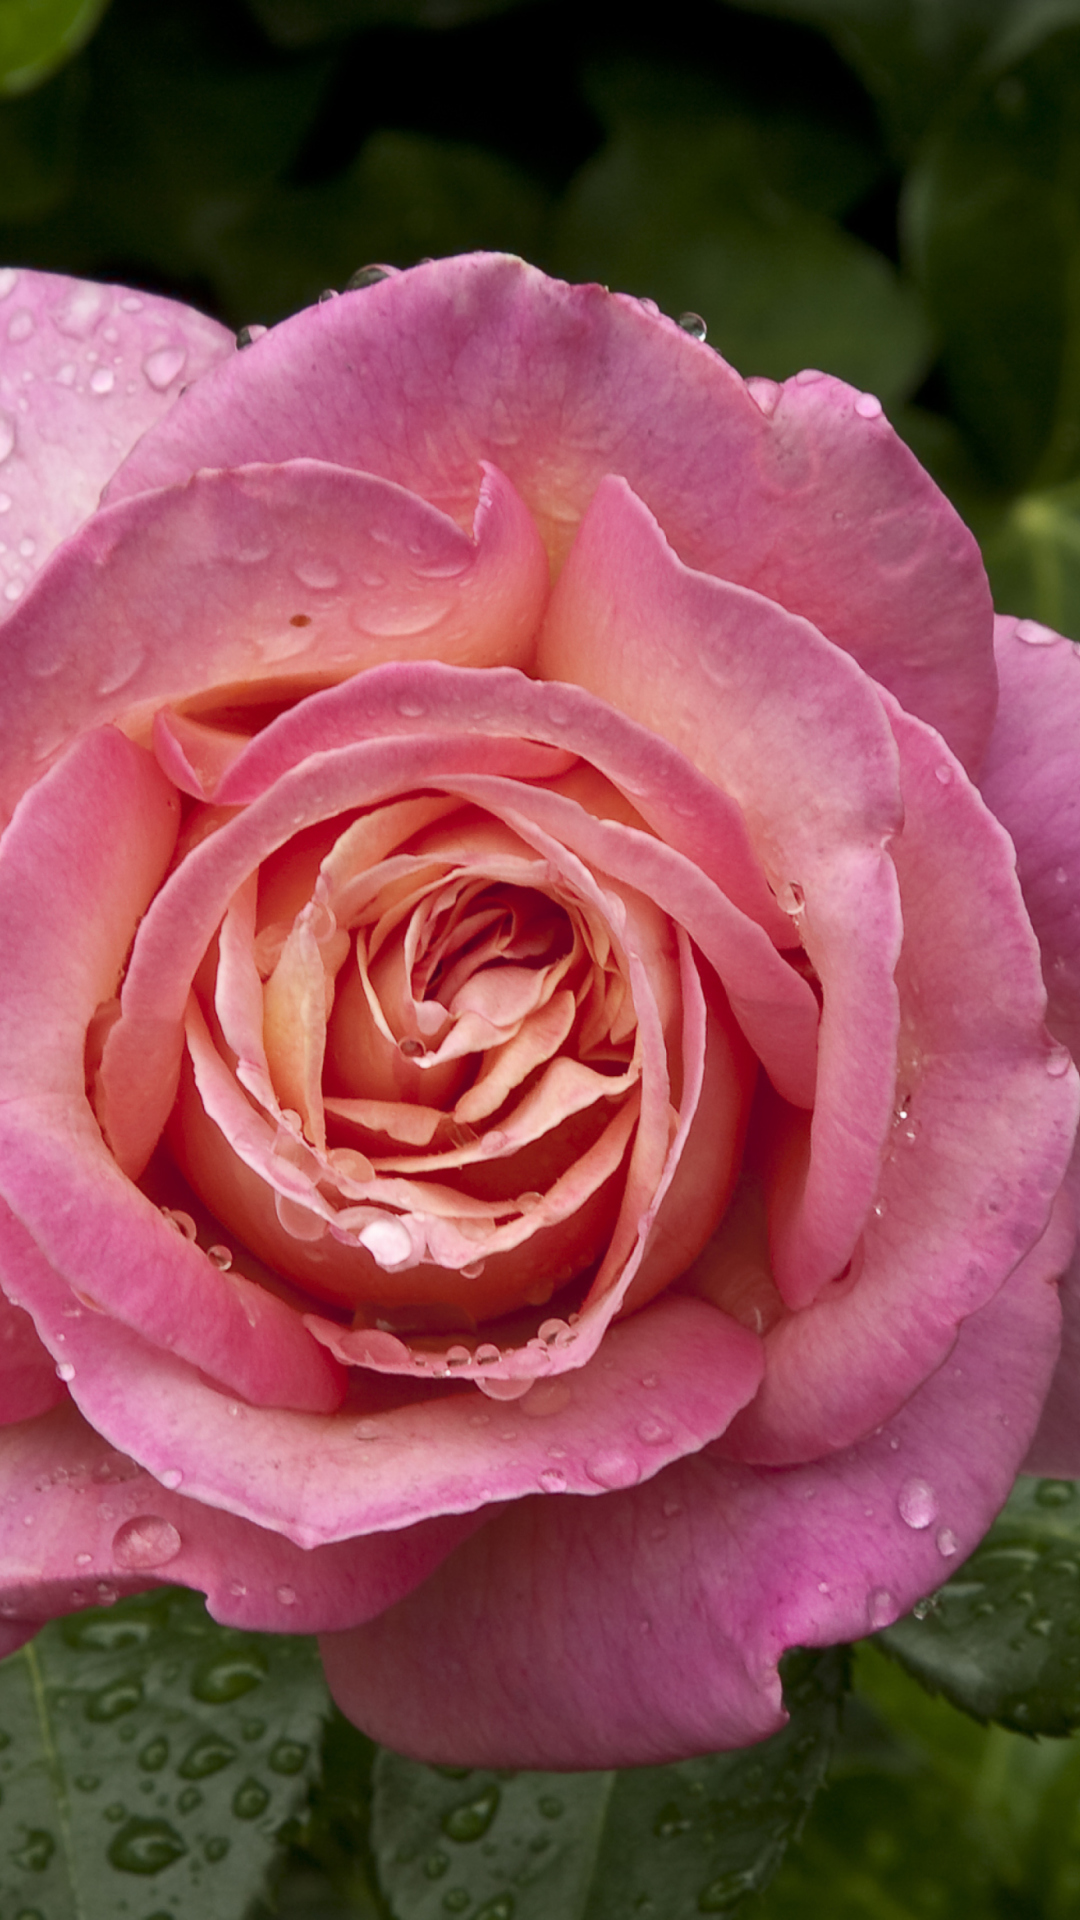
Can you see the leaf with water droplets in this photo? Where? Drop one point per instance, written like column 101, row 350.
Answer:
column 662, row 1843
column 1002, row 1638
column 148, row 1759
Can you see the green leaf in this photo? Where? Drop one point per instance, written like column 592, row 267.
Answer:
column 37, row 36
column 306, row 23
column 681, row 208
column 1001, row 1639
column 675, row 1841
column 928, row 1814
column 1033, row 558
column 992, row 227
column 148, row 1758
column 405, row 197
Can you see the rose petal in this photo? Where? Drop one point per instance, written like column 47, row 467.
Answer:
column 813, row 503
column 84, row 370
column 276, row 575
column 679, row 1598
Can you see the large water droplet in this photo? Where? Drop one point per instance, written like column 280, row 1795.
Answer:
column 208, row 1755
column 694, row 325
column 228, row 1678
column 249, row 1800
column 146, row 1541
column 146, row 1846
column 366, row 277
column 917, row 1503
column 164, row 365
column 471, row 1820
column 613, row 1469
column 121, row 1697
column 387, row 1241
column 868, row 406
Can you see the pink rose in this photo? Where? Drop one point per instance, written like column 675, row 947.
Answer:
column 528, row 1139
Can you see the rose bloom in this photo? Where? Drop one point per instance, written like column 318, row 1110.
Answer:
column 532, row 1140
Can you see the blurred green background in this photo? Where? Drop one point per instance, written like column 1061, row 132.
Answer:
column 888, row 189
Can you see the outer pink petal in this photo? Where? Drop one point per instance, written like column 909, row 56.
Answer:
column 1032, row 782
column 84, row 370
column 814, row 503
column 68, row 907
column 986, row 1116
column 667, row 1383
column 81, row 1523
column 265, row 575
column 789, row 727
column 650, row 1627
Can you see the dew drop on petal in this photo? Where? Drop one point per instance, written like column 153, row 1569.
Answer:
column 880, row 1608
column 868, row 406
column 473, row 1271
column 1035, row 634
column 387, row 1241
column 171, row 1478
column 9, row 280
column 808, row 375
column 102, row 380
column 613, row 1470
column 694, row 325
column 917, row 1503
column 486, row 1356
column 287, row 1596
column 653, row 1432
column 553, row 1480
column 220, row 1257
column 946, row 1542
column 65, row 1371
column 943, row 774
column 164, row 365
column 1058, row 1062
column 146, row 1541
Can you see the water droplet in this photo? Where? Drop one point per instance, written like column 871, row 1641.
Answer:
column 727, row 1891
column 9, row 280
column 366, row 277
column 411, row 1049
column 250, row 1799
column 471, row 1820
column 88, row 1782
column 319, row 574
column 220, row 1257
column 1058, row 1062
column 207, row 1755
column 146, row 1541
column 164, row 365
column 1035, row 634
column 288, row 1756
column 227, row 1679
column 653, row 1431
column 880, row 1609
column 613, row 1470
column 436, row 1865
column 456, row 1900
column 764, row 393
column 287, row 1596
column 154, row 1755
column 36, row 1851
column 868, row 406
column 123, row 1696
column 947, row 1542
column 387, row 1240
column 182, row 1222
column 917, row 1503
column 65, row 1371
column 171, row 1478
column 7, row 435
column 553, row 1480
column 473, row 1271
column 102, row 380
column 84, row 1559
column 694, row 325
column 501, row 1908
column 21, row 325
column 943, row 773
column 485, row 1356
column 247, row 336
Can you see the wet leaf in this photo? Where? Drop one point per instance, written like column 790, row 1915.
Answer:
column 148, row 1758
column 1001, row 1639
column 671, row 1842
